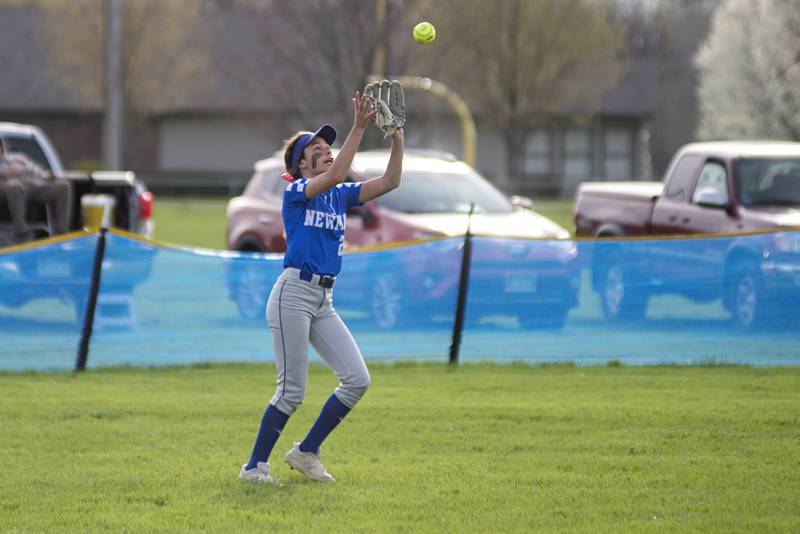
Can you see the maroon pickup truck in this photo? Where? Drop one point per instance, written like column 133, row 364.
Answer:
column 709, row 188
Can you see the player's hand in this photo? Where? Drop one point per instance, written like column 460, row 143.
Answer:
column 363, row 109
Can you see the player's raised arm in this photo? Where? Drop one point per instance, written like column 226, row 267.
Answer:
column 364, row 111
column 391, row 178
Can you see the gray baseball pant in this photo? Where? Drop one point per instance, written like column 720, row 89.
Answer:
column 299, row 313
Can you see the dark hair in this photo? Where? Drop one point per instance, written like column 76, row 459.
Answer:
column 2, row 145
column 288, row 149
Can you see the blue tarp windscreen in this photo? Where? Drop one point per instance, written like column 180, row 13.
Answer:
column 724, row 299
column 42, row 290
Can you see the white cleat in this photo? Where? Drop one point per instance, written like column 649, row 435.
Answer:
column 260, row 473
column 307, row 463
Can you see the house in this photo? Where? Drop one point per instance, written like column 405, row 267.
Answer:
column 202, row 132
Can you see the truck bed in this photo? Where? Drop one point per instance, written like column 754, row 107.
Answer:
column 628, row 190
column 615, row 208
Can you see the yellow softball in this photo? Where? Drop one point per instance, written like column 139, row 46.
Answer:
column 424, row 33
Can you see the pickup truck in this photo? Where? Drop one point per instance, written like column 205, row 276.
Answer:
column 749, row 189
column 68, row 280
column 134, row 203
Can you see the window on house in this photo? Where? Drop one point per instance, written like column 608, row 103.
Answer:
column 619, row 153
column 578, row 153
column 538, row 153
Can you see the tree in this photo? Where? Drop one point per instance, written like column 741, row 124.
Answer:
column 523, row 63
column 680, row 26
column 163, row 53
column 308, row 57
column 156, row 65
column 750, row 71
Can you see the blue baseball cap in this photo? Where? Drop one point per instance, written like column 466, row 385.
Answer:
column 326, row 131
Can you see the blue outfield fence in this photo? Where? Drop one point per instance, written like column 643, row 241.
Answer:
column 721, row 299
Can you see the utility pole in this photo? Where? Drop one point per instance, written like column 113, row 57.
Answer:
column 113, row 121
column 379, row 63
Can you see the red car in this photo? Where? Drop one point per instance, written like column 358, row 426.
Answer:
column 433, row 199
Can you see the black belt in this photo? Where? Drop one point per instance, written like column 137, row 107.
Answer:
column 323, row 280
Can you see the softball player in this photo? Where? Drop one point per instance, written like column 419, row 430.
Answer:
column 300, row 307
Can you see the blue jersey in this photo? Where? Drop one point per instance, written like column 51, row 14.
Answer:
column 315, row 228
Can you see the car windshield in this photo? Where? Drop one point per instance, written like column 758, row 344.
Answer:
column 768, row 182
column 440, row 192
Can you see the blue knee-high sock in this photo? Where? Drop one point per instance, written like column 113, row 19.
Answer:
column 271, row 427
column 331, row 415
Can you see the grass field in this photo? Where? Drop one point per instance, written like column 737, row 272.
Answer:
column 200, row 221
column 482, row 448
column 191, row 221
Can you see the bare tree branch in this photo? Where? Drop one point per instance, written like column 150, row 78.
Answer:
column 524, row 61
column 161, row 69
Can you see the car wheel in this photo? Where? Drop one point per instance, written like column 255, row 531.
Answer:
column 387, row 302
column 251, row 245
column 746, row 297
column 618, row 299
column 250, row 295
column 544, row 317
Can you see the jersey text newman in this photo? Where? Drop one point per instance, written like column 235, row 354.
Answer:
column 320, row 219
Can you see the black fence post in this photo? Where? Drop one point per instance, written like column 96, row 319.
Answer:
column 91, row 302
column 463, row 286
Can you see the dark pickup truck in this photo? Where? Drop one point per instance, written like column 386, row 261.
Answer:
column 134, row 203
column 26, row 277
column 709, row 188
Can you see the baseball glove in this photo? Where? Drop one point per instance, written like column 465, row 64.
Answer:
column 391, row 103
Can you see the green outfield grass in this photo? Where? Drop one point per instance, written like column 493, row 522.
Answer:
column 200, row 221
column 483, row 448
column 559, row 210
column 191, row 221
